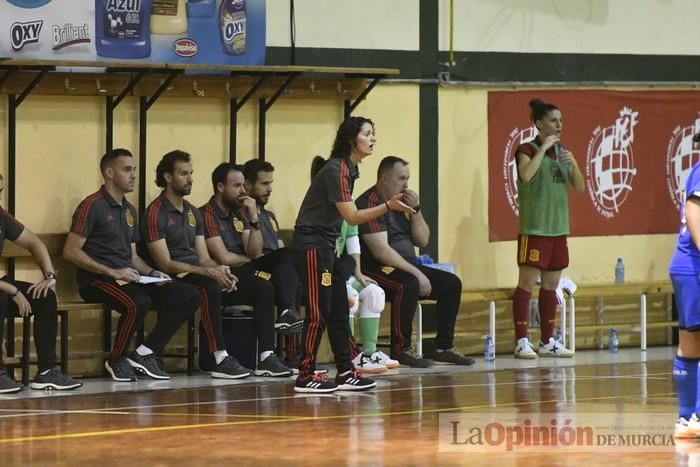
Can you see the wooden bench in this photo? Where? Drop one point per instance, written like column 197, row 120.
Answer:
column 54, row 244
column 568, row 310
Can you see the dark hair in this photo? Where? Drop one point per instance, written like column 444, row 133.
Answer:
column 345, row 137
column 255, row 166
column 167, row 164
column 316, row 165
column 221, row 171
column 388, row 163
column 112, row 155
column 540, row 109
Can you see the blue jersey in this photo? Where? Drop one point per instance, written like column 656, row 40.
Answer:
column 686, row 259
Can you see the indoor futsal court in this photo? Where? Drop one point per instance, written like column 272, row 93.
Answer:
column 197, row 421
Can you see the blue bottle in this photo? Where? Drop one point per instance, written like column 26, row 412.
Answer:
column 29, row 3
column 613, row 342
column 203, row 30
column 619, row 272
column 201, row 8
column 557, row 336
column 489, row 350
column 123, row 28
column 232, row 24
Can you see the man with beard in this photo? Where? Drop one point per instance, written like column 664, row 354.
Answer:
column 102, row 244
column 269, row 253
column 173, row 232
column 271, row 256
column 226, row 231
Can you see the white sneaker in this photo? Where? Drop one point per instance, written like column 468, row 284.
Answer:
column 365, row 365
column 523, row 349
column 554, row 349
column 383, row 359
column 682, row 430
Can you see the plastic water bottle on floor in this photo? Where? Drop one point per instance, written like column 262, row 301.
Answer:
column 613, row 342
column 619, row 272
column 489, row 350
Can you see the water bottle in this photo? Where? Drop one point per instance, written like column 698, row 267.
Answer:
column 613, row 342
column 619, row 272
column 489, row 350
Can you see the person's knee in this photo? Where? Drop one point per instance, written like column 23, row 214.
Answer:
column 454, row 283
column 689, row 344
column 372, row 301
column 142, row 302
column 49, row 303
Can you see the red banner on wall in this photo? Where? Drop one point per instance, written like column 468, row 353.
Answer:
column 634, row 150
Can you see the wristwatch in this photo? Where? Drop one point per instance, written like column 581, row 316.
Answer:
column 50, row 275
column 254, row 224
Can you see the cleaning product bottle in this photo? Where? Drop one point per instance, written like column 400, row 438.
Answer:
column 232, row 23
column 168, row 17
column 123, row 28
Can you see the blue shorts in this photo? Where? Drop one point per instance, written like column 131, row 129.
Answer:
column 686, row 291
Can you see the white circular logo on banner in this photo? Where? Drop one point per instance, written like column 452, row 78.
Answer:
column 680, row 158
column 510, row 169
column 610, row 164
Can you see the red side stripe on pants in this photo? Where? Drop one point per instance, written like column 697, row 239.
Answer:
column 314, row 312
column 127, row 329
column 206, row 319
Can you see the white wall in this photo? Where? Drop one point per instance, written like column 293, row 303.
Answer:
column 663, row 27
column 356, row 24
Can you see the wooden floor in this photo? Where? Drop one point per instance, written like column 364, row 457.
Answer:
column 267, row 423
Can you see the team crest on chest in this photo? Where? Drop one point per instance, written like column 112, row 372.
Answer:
column 274, row 224
column 129, row 219
column 238, row 225
column 326, row 279
column 191, row 220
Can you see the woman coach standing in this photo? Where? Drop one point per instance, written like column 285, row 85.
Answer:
column 327, row 202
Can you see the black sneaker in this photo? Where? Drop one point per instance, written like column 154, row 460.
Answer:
column 353, row 381
column 452, row 356
column 409, row 358
column 273, row 366
column 7, row 384
column 315, row 383
column 120, row 370
column 229, row 368
column 149, row 365
column 290, row 322
column 293, row 364
column 54, row 379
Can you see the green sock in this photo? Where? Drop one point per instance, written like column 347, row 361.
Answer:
column 369, row 327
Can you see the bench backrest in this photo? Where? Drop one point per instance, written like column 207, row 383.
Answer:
column 53, row 241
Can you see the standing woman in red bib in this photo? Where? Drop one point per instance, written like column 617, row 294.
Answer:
column 545, row 171
column 327, row 202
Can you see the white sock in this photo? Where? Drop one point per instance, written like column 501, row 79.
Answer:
column 143, row 350
column 219, row 355
column 265, row 354
column 284, row 312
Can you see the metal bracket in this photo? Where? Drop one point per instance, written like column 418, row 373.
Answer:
column 265, row 105
column 351, row 106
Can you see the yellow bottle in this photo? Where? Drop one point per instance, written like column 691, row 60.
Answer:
column 168, row 17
